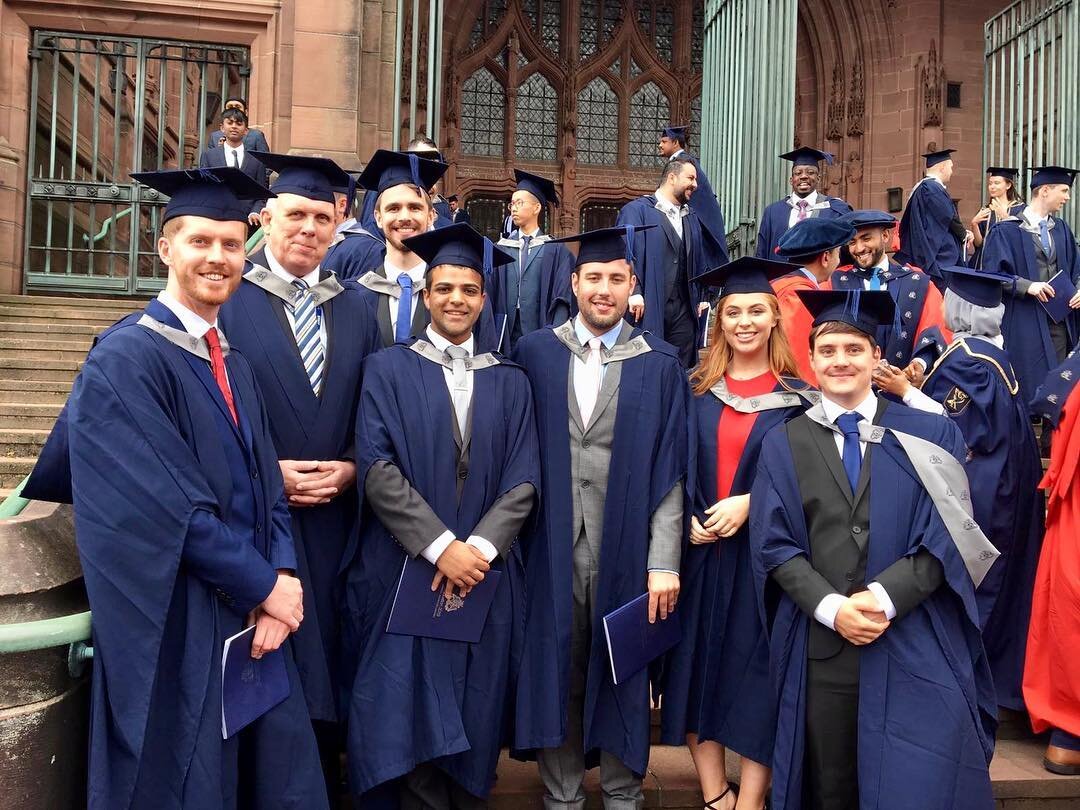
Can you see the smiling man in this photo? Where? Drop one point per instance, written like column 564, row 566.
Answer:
column 183, row 531
column 448, row 460
column 867, row 560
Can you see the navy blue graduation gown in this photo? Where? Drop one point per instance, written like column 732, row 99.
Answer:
column 555, row 264
column 1010, row 250
column 653, row 249
column 775, row 218
column 362, row 249
column 927, row 239
column 1015, row 210
column 651, row 454
column 309, row 427
column 180, row 521
column 975, row 382
column 704, row 203
column 926, row 698
column 714, row 677
column 415, row 700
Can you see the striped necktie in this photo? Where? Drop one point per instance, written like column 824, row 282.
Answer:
column 308, row 338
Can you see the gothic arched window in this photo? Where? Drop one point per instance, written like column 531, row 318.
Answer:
column 483, row 113
column 536, row 120
column 693, row 140
column 649, row 111
column 546, row 19
column 598, row 21
column 598, row 123
column 657, row 21
column 491, row 14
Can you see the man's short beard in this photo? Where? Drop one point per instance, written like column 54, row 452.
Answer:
column 596, row 322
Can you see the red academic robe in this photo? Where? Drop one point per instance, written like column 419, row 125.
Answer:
column 797, row 320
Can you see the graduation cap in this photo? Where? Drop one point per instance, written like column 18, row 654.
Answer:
column 807, row 156
column 606, row 244
column 223, row 194
column 1052, row 175
column 1002, row 171
column 979, row 287
column 387, row 169
column 315, row 178
column 426, row 152
column 861, row 309
column 868, row 218
column 746, row 274
column 812, row 237
column 540, row 187
column 675, row 133
column 940, row 156
column 452, row 198
column 458, row 244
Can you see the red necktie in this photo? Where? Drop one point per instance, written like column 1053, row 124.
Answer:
column 217, row 367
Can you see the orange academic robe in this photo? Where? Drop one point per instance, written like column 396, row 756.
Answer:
column 796, row 319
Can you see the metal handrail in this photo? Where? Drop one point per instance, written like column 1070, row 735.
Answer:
column 44, row 633
column 253, row 241
column 105, row 225
column 14, row 503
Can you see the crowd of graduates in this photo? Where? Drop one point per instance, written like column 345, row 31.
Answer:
column 820, row 461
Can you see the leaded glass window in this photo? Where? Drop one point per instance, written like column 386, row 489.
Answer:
column 657, row 21
column 536, row 120
column 693, row 139
column 697, row 35
column 598, row 123
column 545, row 18
column 487, row 20
column 483, row 114
column 648, row 115
column 598, row 21
column 616, row 68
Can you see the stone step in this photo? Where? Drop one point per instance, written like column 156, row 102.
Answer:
column 48, row 329
column 41, row 391
column 14, row 469
column 35, row 416
column 44, row 349
column 22, row 368
column 22, row 442
column 28, row 314
column 95, row 302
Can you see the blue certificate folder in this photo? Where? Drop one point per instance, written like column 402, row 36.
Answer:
column 1064, row 289
column 249, row 688
column 632, row 642
column 420, row 611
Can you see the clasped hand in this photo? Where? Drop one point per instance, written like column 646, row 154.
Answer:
column 279, row 614
column 725, row 518
column 311, row 483
column 462, row 566
column 860, row 619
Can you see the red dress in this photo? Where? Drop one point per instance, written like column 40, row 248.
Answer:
column 734, row 428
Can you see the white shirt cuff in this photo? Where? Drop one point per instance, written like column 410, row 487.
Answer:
column 921, row 362
column 636, row 301
column 879, row 592
column 827, row 609
column 489, row 551
column 914, row 398
column 663, row 571
column 437, row 547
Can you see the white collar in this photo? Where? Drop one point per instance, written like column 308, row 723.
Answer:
column 676, row 154
column 416, row 273
column 884, row 263
column 441, row 343
column 1033, row 219
column 936, row 179
column 668, row 207
column 193, row 324
column 532, row 235
column 311, row 278
column 608, row 338
column 239, row 148
column 810, row 198
column 867, row 408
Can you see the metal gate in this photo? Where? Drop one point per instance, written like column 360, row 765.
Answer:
column 100, row 108
column 1032, row 76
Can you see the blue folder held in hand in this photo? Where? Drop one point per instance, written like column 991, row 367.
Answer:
column 1064, row 289
column 249, row 688
column 632, row 642
column 420, row 611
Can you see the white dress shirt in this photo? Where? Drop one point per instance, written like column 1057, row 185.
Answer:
column 1030, row 219
column 416, row 273
column 828, row 607
column 311, row 279
column 239, row 150
column 882, row 266
column 674, row 213
column 194, row 324
column 793, row 200
column 439, row 545
column 609, row 338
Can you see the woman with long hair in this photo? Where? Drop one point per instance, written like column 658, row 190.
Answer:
column 1005, row 202
column 717, row 694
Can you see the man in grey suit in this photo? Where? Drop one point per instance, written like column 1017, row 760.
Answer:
column 611, row 405
column 234, row 152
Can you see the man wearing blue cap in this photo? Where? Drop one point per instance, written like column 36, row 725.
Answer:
column 804, row 202
column 706, row 206
column 612, row 410
column 931, row 234
column 534, row 290
column 866, row 559
column 1033, row 250
column 675, row 250
column 306, row 335
column 183, row 532
column 447, row 458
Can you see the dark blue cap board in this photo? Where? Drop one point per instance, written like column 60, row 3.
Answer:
column 862, row 309
column 606, row 244
column 458, row 244
column 540, row 187
column 940, row 156
column 675, row 133
column 1002, row 171
column 452, row 198
column 868, row 218
column 224, row 194
column 387, row 169
column 979, row 287
column 811, row 237
column 807, row 156
column 747, row 274
column 1052, row 175
column 315, row 178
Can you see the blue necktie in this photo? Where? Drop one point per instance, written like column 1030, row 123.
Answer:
column 1044, row 237
column 308, row 338
column 875, row 279
column 403, row 328
column 849, row 424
